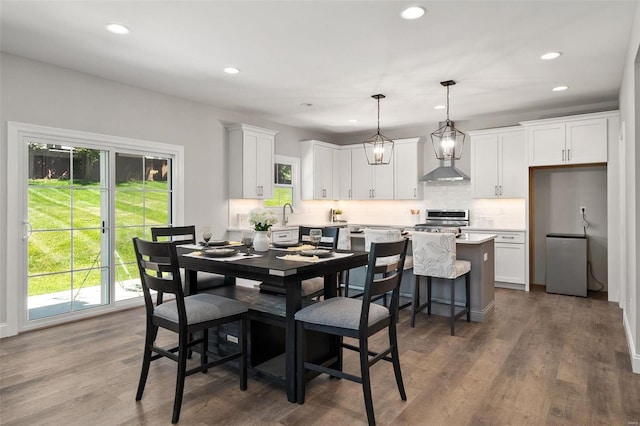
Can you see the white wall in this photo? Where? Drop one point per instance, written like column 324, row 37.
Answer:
column 629, row 116
column 38, row 93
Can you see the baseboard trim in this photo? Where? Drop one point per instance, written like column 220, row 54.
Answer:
column 633, row 352
column 511, row 286
column 6, row 331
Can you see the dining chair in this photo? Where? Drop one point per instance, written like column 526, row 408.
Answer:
column 187, row 235
column 435, row 257
column 158, row 267
column 358, row 319
column 381, row 235
column 313, row 287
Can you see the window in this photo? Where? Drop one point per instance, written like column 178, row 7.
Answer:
column 285, row 188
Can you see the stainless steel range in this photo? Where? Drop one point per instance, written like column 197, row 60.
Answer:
column 444, row 221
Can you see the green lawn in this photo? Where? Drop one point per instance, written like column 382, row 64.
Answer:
column 57, row 206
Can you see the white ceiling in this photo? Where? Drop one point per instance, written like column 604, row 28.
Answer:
column 336, row 54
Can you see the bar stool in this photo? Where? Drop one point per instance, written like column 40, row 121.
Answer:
column 434, row 256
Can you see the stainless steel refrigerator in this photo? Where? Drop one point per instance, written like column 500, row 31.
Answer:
column 567, row 264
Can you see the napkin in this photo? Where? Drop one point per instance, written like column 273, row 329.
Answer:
column 299, row 258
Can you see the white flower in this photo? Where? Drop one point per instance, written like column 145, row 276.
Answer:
column 262, row 219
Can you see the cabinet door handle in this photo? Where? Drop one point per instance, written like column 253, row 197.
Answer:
column 349, row 193
column 495, row 190
column 415, row 192
column 500, row 189
column 373, row 192
column 568, row 155
column 563, row 155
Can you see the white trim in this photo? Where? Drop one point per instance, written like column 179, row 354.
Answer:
column 16, row 262
column 295, row 177
column 633, row 351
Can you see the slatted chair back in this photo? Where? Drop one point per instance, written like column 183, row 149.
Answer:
column 328, row 240
column 159, row 271
column 383, row 278
column 184, row 234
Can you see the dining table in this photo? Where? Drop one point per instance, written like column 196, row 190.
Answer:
column 279, row 267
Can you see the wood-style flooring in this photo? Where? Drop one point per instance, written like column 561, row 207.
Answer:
column 539, row 359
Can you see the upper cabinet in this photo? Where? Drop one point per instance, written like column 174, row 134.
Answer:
column 370, row 182
column 408, row 159
column 320, row 170
column 346, row 192
column 498, row 163
column 333, row 172
column 251, row 154
column 579, row 139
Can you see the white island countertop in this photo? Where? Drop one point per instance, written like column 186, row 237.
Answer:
column 462, row 239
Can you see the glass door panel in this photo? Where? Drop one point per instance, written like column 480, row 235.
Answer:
column 68, row 263
column 142, row 200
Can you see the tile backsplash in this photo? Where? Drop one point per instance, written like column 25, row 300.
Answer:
column 502, row 213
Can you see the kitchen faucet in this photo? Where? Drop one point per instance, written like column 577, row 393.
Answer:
column 284, row 213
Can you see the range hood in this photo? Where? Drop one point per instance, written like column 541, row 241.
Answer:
column 447, row 172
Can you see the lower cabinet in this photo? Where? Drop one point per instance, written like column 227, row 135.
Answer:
column 510, row 258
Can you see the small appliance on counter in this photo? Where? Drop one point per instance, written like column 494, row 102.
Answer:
column 567, row 264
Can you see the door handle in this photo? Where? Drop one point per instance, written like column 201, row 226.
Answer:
column 500, row 189
column 28, row 230
column 563, row 155
column 495, row 190
column 568, row 155
column 415, row 192
column 349, row 193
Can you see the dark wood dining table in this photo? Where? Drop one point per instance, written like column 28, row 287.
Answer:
column 287, row 273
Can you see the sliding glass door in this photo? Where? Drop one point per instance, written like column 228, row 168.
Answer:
column 84, row 206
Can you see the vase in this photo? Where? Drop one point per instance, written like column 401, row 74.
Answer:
column 261, row 241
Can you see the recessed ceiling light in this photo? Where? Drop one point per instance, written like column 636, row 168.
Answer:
column 117, row 28
column 550, row 55
column 353, row 120
column 413, row 12
column 439, row 107
column 560, row 88
column 231, row 70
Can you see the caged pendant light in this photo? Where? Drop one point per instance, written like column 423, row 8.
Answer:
column 378, row 148
column 447, row 140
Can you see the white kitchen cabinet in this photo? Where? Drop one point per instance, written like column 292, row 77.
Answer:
column 251, row 155
column 370, row 182
column 579, row 139
column 408, row 160
column 498, row 163
column 510, row 258
column 345, row 173
column 320, row 171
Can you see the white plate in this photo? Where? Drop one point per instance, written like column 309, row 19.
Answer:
column 219, row 252
column 318, row 252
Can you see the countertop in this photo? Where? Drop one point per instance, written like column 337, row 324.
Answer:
column 492, row 229
column 463, row 239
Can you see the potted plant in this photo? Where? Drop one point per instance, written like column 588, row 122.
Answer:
column 338, row 214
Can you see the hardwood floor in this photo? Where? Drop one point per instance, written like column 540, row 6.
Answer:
column 539, row 359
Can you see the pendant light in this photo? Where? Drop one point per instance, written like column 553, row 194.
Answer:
column 447, row 140
column 378, row 148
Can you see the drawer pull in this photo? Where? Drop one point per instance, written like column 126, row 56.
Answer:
column 506, row 237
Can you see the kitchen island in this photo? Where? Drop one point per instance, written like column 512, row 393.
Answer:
column 478, row 249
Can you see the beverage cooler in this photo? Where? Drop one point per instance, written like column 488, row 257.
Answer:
column 567, row 264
